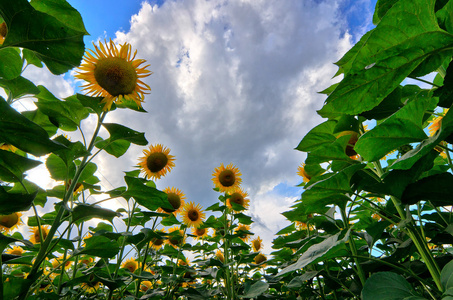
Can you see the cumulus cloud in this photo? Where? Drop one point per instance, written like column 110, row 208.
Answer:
column 234, row 82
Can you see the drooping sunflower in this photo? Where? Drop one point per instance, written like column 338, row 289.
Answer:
column 10, row 222
column 260, row 259
column 156, row 243
column 226, row 179
column 192, row 215
column 131, row 264
column 257, row 244
column 176, row 198
column 113, row 72
column 35, row 237
column 157, row 161
column 239, row 197
column 199, row 232
column 302, row 173
column 176, row 237
column 240, row 231
column 16, row 250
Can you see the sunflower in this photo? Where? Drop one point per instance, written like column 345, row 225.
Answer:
column 226, row 179
column 3, row 32
column 260, row 259
column 16, row 250
column 36, row 237
column 176, row 237
column 257, row 244
column 192, row 214
column 176, row 199
column 199, row 232
column 219, row 256
column 238, row 197
column 156, row 243
column 58, row 261
column 86, row 260
column 145, row 285
column 302, row 173
column 8, row 147
column 156, row 162
column 242, row 235
column 131, row 264
column 435, row 125
column 114, row 74
column 91, row 287
column 10, row 222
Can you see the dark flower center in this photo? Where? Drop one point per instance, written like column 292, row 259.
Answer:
column 115, row 75
column 9, row 220
column 193, row 215
column 227, row 178
column 260, row 258
column 200, row 231
column 157, row 242
column 174, row 200
column 156, row 161
column 237, row 198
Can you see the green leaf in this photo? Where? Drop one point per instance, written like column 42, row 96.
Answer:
column 382, row 6
column 92, row 102
column 30, row 187
column 330, row 248
column 120, row 132
column 13, row 166
column 146, row 196
column 255, row 290
column 32, row 58
column 435, row 188
column 445, row 17
column 446, row 276
column 321, row 135
column 99, row 246
column 403, row 127
column 17, row 130
column 10, row 63
column 87, row 212
column 14, row 202
column 387, row 107
column 72, row 150
column 62, row 11
column 59, row 46
column 57, row 168
column 42, row 120
column 388, row 286
column 19, row 87
column 6, row 240
column 388, row 55
column 65, row 114
column 116, row 148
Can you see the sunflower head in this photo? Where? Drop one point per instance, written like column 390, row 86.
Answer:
column 175, row 198
column 302, row 173
column 113, row 72
column 175, row 237
column 238, row 197
column 219, row 256
column 240, row 231
column 36, row 237
column 16, row 250
column 86, row 260
column 57, row 261
column 260, row 259
column 157, row 161
column 199, row 232
column 226, row 179
column 436, row 123
column 257, row 244
column 10, row 222
column 145, row 285
column 3, row 32
column 156, row 243
column 192, row 215
column 8, row 147
column 131, row 264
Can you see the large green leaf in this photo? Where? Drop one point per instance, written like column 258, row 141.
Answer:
column 58, row 45
column 403, row 127
column 318, row 136
column 446, row 276
column 99, row 246
column 388, row 286
column 65, row 114
column 13, row 202
column 120, row 132
column 86, row 212
column 149, row 197
column 10, row 63
column 17, row 130
column 435, row 188
column 382, row 6
column 19, row 87
column 255, row 290
column 331, row 247
column 13, row 166
column 406, row 36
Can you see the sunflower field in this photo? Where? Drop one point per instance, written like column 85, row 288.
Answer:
column 375, row 217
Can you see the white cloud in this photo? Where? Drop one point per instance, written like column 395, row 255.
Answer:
column 234, row 82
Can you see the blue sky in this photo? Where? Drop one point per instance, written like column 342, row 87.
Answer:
column 234, row 82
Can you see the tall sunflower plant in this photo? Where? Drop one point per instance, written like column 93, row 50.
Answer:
column 158, row 246
column 374, row 217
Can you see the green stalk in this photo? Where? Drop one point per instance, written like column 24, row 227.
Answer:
column 226, row 254
column 353, row 248
column 414, row 235
column 57, row 222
